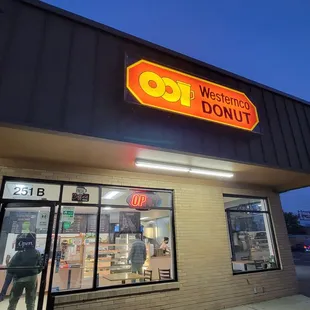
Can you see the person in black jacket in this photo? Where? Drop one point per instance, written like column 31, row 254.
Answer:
column 25, row 265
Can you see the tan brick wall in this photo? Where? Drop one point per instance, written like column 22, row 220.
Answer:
column 203, row 251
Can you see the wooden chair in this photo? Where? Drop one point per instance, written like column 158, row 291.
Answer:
column 148, row 275
column 164, row 274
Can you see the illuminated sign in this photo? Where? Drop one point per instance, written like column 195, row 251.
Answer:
column 143, row 200
column 138, row 200
column 170, row 90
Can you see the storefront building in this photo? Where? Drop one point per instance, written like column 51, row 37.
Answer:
column 107, row 139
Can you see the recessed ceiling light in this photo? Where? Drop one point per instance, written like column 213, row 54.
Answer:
column 107, row 208
column 111, row 195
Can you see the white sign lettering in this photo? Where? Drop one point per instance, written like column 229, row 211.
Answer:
column 24, row 244
column 31, row 191
column 68, row 214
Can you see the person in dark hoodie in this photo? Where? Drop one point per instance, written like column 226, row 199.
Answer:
column 25, row 265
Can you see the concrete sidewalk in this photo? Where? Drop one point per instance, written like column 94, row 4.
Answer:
column 296, row 302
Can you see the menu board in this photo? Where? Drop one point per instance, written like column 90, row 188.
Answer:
column 78, row 226
column 104, row 223
column 21, row 222
column 129, row 222
column 91, row 223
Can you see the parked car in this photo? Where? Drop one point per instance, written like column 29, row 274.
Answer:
column 301, row 247
column 307, row 246
column 261, row 235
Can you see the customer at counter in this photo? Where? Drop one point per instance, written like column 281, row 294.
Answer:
column 164, row 246
column 137, row 255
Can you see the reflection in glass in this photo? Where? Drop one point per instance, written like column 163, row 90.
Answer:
column 74, row 257
column 22, row 245
column 250, row 234
column 125, row 234
column 120, row 196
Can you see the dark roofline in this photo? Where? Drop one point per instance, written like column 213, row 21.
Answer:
column 118, row 33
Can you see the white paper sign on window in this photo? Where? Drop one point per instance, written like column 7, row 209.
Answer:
column 31, row 191
column 43, row 219
column 80, row 194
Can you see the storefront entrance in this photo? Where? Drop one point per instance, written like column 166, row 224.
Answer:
column 25, row 241
column 61, row 238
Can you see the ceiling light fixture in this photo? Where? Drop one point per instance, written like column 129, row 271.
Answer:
column 144, row 218
column 214, row 173
column 161, row 166
column 172, row 167
column 110, row 195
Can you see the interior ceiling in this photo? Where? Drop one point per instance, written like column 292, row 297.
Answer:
column 72, row 150
column 145, row 216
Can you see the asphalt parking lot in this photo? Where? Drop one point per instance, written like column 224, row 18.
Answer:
column 301, row 259
column 302, row 263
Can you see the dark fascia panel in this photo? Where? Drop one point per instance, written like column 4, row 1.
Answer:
column 112, row 31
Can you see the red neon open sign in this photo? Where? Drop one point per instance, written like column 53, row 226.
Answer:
column 143, row 200
column 138, row 200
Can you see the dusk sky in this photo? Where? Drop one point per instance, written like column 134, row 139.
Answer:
column 265, row 41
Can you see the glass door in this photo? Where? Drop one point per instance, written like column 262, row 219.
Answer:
column 25, row 242
column 75, row 249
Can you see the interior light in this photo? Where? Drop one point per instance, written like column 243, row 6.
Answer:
column 110, row 195
column 215, row 173
column 107, row 208
column 144, row 218
column 161, row 166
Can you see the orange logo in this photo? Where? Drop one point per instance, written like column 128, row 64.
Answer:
column 167, row 89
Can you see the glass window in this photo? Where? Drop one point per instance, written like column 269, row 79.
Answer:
column 252, row 243
column 138, row 198
column 75, row 244
column 23, row 241
column 136, row 238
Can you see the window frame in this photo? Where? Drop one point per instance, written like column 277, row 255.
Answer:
column 100, row 204
column 271, row 228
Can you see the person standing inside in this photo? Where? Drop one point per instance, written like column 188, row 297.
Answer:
column 24, row 267
column 164, row 246
column 137, row 255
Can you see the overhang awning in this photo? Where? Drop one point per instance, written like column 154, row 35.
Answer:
column 51, row 148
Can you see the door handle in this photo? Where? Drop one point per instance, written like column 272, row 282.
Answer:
column 45, row 261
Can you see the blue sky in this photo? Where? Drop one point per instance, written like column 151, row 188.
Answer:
column 266, row 41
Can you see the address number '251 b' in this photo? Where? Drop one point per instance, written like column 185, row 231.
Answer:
column 28, row 191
